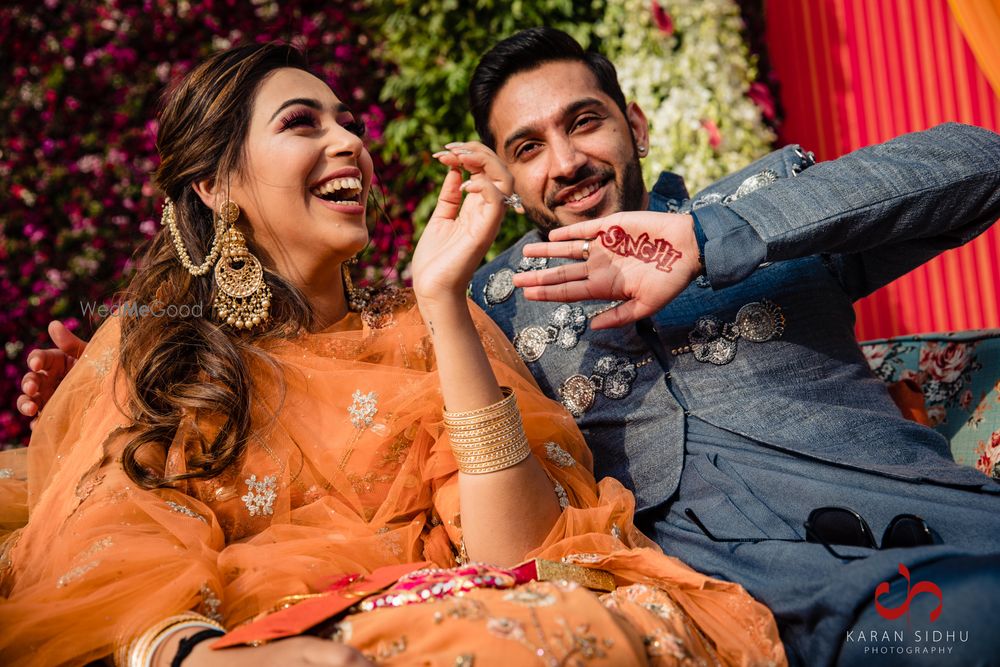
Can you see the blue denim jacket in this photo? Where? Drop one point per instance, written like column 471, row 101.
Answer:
column 764, row 346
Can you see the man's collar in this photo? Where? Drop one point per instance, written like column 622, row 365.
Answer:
column 671, row 186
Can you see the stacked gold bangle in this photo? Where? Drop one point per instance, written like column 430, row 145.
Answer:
column 139, row 652
column 488, row 439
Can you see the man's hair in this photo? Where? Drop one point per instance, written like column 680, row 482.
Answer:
column 525, row 51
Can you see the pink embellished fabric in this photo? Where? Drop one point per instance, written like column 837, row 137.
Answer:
column 350, row 470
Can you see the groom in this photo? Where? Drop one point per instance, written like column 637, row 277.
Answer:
column 738, row 406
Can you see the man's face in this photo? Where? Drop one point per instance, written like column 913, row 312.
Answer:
column 569, row 147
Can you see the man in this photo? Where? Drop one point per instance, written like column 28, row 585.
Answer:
column 743, row 404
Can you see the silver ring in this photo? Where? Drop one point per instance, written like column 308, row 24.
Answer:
column 514, row 201
column 586, row 250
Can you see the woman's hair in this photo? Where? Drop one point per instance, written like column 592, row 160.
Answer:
column 193, row 368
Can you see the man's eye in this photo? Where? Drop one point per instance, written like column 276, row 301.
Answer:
column 526, row 149
column 585, row 121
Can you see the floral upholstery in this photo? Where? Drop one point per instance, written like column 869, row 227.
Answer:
column 959, row 375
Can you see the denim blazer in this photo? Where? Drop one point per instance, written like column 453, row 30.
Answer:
column 764, row 345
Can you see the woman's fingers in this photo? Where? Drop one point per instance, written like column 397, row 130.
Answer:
column 474, row 157
column 450, row 197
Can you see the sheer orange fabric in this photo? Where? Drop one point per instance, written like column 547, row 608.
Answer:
column 980, row 23
column 350, row 469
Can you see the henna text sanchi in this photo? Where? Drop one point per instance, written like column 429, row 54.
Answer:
column 652, row 251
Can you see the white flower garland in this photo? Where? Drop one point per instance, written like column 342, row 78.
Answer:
column 685, row 82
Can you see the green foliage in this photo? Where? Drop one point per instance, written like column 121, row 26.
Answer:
column 435, row 45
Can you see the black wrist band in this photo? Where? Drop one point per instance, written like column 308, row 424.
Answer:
column 188, row 643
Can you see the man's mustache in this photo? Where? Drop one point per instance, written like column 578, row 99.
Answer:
column 581, row 174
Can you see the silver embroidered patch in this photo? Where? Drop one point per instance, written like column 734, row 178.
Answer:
column 705, row 200
column 6, row 473
column 566, row 324
column 755, row 182
column 561, row 495
column 363, row 409
column 612, row 376
column 185, row 510
column 532, row 264
column 715, row 342
column 531, row 342
column 806, row 160
column 499, row 287
column 261, row 495
column 577, row 394
column 558, row 455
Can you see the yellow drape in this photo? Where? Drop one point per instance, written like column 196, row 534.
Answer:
column 980, row 23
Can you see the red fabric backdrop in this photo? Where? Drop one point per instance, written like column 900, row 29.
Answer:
column 858, row 72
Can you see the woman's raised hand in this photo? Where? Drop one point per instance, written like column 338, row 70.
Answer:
column 459, row 232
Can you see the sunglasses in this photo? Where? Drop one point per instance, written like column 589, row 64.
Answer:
column 844, row 527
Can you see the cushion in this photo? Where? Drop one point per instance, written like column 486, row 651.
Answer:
column 959, row 375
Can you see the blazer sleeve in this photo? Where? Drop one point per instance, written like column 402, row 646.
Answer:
column 875, row 213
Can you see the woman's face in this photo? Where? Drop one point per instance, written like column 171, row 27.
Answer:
column 306, row 176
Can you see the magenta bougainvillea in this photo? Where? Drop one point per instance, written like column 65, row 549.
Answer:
column 81, row 84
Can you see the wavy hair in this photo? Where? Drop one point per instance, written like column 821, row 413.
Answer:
column 188, row 368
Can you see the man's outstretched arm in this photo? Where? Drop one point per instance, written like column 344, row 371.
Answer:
column 877, row 213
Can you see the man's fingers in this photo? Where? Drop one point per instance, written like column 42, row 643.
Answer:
column 581, row 230
column 565, row 249
column 66, row 340
column 558, row 274
column 579, row 290
column 626, row 313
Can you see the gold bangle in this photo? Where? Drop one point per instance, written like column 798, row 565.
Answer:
column 478, row 414
column 139, row 651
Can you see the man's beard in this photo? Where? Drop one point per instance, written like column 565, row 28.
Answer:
column 631, row 191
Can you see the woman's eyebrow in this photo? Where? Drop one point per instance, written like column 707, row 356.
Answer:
column 308, row 102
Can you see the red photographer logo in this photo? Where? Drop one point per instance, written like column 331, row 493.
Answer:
column 892, row 613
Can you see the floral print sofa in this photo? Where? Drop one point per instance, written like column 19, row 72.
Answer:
column 959, row 376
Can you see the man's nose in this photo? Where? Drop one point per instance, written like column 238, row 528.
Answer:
column 566, row 159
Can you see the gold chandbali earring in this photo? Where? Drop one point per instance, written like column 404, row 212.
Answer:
column 243, row 299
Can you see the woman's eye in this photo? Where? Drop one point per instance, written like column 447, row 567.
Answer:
column 298, row 119
column 356, row 127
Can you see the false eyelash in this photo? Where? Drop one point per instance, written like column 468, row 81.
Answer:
column 356, row 127
column 295, row 119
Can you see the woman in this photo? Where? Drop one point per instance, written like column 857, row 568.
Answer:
column 295, row 432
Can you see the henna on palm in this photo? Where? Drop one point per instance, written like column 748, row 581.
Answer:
column 652, row 251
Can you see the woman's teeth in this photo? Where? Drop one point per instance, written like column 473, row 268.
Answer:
column 339, row 190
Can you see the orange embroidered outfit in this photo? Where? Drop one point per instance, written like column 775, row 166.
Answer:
column 350, row 469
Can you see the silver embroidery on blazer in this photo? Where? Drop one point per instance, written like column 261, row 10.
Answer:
column 500, row 284
column 713, row 341
column 612, row 376
column 564, row 328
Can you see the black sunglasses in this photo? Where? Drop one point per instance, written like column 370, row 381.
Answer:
column 845, row 527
